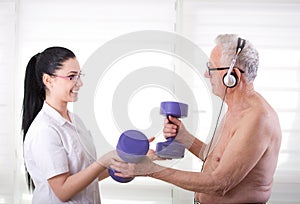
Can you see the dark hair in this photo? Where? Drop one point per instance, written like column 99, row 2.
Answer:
column 46, row 62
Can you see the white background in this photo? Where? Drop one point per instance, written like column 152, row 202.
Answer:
column 29, row 26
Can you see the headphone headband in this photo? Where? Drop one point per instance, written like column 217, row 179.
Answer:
column 240, row 45
column 229, row 79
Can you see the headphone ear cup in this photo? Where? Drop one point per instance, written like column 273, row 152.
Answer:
column 230, row 80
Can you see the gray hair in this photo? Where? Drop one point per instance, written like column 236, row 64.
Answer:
column 248, row 59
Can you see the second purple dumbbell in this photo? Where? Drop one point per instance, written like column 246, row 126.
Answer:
column 171, row 149
column 132, row 146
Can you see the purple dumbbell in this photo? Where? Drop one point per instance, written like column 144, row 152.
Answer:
column 170, row 148
column 132, row 147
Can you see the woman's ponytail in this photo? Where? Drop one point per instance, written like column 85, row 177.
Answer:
column 32, row 102
column 34, row 94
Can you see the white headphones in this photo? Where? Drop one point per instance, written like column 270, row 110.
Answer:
column 230, row 79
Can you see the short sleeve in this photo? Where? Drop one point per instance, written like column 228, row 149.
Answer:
column 50, row 155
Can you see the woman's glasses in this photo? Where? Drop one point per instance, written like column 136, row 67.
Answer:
column 71, row 77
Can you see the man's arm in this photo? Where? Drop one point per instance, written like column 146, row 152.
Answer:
column 242, row 153
column 193, row 144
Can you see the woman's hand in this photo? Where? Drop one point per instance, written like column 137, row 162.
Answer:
column 151, row 154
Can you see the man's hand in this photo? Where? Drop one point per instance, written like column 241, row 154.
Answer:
column 105, row 160
column 143, row 168
column 175, row 128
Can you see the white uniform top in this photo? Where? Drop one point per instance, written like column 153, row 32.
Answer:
column 54, row 146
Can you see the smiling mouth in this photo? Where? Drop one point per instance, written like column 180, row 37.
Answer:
column 75, row 91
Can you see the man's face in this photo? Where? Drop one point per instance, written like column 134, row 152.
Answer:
column 216, row 77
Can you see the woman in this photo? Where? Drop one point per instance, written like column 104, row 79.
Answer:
column 58, row 150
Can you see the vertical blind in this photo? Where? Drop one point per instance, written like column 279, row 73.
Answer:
column 7, row 112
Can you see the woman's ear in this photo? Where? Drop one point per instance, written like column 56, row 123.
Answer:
column 47, row 80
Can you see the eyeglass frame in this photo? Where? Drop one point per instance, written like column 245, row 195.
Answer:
column 76, row 77
column 220, row 68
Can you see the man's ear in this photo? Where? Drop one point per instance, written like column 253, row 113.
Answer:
column 238, row 74
column 47, row 80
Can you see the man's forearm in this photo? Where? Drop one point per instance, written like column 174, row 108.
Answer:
column 192, row 181
column 195, row 146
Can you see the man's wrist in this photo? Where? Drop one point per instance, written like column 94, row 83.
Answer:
column 157, row 171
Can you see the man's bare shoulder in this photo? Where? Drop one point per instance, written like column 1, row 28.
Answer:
column 259, row 108
column 261, row 117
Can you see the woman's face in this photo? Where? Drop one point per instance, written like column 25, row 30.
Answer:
column 66, row 83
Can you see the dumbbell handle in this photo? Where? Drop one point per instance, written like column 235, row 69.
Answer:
column 170, row 139
column 170, row 148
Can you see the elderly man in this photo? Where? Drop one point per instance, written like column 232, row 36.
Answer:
column 240, row 161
